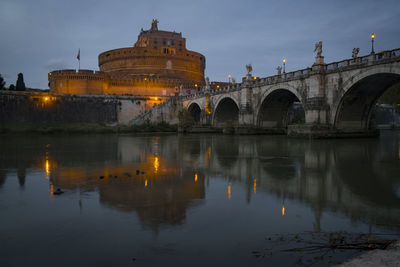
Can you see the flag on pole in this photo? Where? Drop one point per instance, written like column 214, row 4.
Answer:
column 78, row 57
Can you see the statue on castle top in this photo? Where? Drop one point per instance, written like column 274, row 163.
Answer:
column 249, row 69
column 154, row 26
column 279, row 69
column 354, row 54
column 318, row 48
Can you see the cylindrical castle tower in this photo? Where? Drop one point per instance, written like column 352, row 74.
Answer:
column 157, row 64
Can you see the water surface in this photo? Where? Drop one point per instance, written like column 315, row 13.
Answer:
column 188, row 200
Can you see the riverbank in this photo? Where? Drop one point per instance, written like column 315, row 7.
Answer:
column 387, row 257
column 87, row 128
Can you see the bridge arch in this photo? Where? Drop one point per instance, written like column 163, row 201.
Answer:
column 352, row 111
column 195, row 110
column 277, row 108
column 226, row 109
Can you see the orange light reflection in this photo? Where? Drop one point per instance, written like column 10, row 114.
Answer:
column 156, row 164
column 47, row 168
column 283, row 210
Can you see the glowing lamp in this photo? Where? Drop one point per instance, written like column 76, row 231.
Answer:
column 372, row 43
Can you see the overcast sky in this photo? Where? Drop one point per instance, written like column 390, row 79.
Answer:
column 38, row 36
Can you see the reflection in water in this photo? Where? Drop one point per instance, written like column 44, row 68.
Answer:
column 164, row 196
column 47, row 168
column 358, row 178
column 156, row 164
column 51, row 187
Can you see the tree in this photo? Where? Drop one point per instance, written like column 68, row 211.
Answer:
column 186, row 120
column 2, row 83
column 12, row 87
column 20, row 85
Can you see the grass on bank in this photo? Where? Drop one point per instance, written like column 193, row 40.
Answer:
column 87, row 128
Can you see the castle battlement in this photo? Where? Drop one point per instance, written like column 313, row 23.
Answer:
column 156, row 64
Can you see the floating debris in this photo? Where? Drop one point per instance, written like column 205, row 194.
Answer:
column 58, row 192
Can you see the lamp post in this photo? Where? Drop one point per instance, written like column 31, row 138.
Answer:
column 284, row 65
column 372, row 43
column 229, row 78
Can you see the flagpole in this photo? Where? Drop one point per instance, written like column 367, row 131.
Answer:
column 79, row 59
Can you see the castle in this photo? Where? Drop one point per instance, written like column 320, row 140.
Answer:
column 157, row 65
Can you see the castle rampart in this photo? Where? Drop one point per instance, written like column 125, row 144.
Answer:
column 158, row 64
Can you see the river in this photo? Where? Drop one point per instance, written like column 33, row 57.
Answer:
column 190, row 200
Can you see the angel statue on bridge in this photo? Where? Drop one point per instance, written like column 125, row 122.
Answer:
column 249, row 69
column 355, row 52
column 279, row 69
column 207, row 83
column 318, row 48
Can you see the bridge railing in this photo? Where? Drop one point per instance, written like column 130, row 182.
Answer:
column 364, row 60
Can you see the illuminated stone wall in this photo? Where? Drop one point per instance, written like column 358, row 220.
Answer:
column 29, row 107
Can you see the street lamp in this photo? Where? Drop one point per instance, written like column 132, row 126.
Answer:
column 372, row 42
column 229, row 78
column 284, row 65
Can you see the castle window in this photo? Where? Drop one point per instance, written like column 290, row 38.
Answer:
column 169, row 65
column 164, row 42
column 172, row 42
column 168, row 51
column 180, row 43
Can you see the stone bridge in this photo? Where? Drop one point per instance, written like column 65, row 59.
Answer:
column 338, row 97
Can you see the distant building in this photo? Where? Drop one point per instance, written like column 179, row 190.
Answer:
column 157, row 65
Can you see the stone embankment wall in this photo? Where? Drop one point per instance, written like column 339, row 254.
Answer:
column 32, row 108
column 166, row 112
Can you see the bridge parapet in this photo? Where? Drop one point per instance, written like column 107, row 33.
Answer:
column 376, row 58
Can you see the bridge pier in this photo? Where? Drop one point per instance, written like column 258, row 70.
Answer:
column 205, row 118
column 246, row 115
